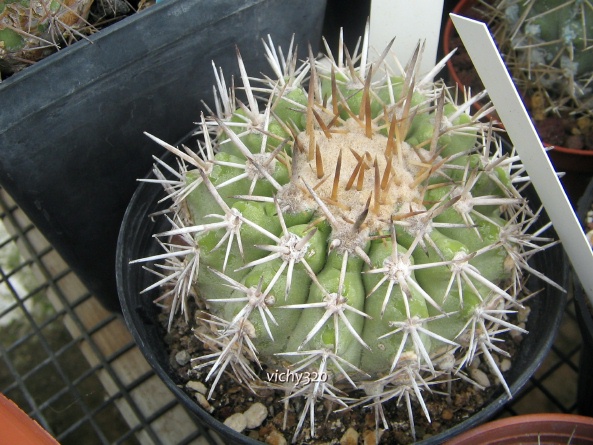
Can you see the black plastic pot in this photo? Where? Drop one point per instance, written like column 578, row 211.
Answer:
column 585, row 384
column 136, row 241
column 585, row 320
column 71, row 142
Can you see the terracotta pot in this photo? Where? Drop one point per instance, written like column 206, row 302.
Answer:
column 577, row 164
column 463, row 8
column 533, row 429
column 18, row 428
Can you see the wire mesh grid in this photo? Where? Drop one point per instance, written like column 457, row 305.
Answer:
column 66, row 361
column 74, row 367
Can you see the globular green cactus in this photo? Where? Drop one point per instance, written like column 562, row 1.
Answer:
column 32, row 29
column 547, row 46
column 346, row 222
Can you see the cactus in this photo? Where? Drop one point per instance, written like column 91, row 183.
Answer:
column 547, row 46
column 347, row 222
column 30, row 30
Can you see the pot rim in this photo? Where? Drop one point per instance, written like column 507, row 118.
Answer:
column 18, row 427
column 525, row 425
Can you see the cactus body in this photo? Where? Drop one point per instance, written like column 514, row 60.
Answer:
column 355, row 223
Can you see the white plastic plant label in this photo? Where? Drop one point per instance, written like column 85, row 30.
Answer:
column 407, row 21
column 501, row 89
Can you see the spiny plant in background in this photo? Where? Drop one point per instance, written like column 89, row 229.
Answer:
column 350, row 223
column 30, row 30
column 547, row 45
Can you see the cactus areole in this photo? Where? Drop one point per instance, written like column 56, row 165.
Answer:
column 347, row 222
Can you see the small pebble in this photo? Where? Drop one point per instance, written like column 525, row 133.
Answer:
column 350, row 437
column 516, row 335
column 370, row 437
column 204, row 402
column 236, row 422
column 523, row 314
column 505, row 364
column 480, row 377
column 447, row 414
column 576, row 141
column 446, row 362
column 182, row 358
column 275, row 438
column 255, row 415
column 197, row 386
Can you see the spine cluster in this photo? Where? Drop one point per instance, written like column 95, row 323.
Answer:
column 343, row 221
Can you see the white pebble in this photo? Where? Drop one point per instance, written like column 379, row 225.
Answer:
column 523, row 314
column 446, row 362
column 182, row 358
column 505, row 365
column 236, row 422
column 255, row 415
column 197, row 386
column 479, row 376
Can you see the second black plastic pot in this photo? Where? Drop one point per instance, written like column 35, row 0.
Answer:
column 585, row 319
column 71, row 127
column 136, row 241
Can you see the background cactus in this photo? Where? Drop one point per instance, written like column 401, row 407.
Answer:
column 547, row 47
column 346, row 222
column 33, row 29
column 30, row 30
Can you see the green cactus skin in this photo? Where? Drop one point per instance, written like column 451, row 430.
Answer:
column 547, row 46
column 33, row 29
column 354, row 223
